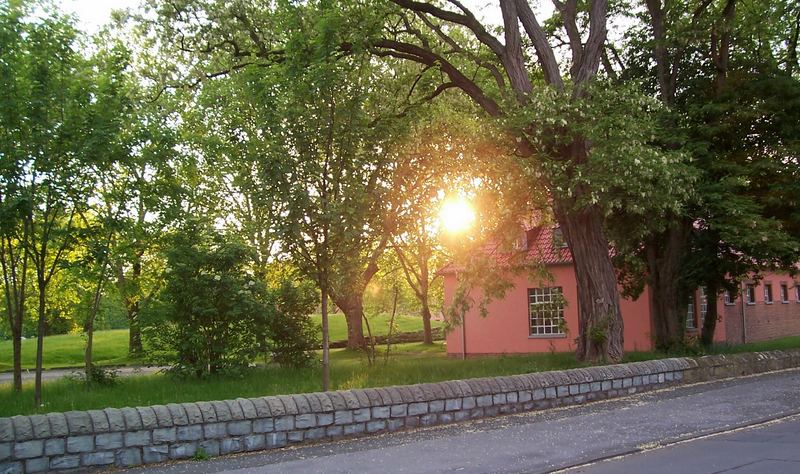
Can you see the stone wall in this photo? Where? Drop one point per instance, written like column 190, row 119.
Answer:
column 133, row 436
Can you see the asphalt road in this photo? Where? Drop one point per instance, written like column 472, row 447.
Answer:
column 766, row 448
column 555, row 439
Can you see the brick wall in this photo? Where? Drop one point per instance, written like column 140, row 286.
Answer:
column 127, row 437
column 764, row 321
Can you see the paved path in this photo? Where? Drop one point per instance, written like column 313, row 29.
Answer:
column 53, row 374
column 541, row 441
column 769, row 447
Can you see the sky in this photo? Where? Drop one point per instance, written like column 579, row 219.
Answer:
column 93, row 14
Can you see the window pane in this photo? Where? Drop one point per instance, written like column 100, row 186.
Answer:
column 545, row 311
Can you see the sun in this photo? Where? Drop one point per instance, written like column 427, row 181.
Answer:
column 456, row 215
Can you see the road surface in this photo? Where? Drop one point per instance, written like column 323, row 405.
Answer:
column 55, row 374
column 573, row 437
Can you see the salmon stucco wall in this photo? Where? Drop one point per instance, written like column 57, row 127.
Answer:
column 505, row 329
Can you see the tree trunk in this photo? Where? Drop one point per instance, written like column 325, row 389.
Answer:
column 600, row 331
column 665, row 255
column 40, row 345
column 326, row 370
column 710, row 320
column 16, row 343
column 135, row 332
column 89, row 327
column 352, row 306
column 426, row 322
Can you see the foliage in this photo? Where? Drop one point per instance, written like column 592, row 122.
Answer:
column 214, row 311
column 292, row 335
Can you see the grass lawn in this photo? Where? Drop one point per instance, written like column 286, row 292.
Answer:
column 410, row 363
column 111, row 347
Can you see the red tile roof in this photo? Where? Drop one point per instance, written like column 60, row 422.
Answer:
column 540, row 250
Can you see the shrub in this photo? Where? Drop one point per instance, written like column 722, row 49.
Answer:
column 292, row 334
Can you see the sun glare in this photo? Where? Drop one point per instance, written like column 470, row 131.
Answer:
column 456, row 215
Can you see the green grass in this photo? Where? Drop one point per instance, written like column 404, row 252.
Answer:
column 111, row 347
column 410, row 363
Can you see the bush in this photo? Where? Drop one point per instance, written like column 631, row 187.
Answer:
column 292, row 334
column 213, row 311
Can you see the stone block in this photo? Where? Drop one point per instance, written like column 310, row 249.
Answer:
column 29, row 449
column 80, row 444
column 330, row 401
column 209, row 415
column 661, row 378
column 295, row 436
column 616, row 384
column 445, row 418
column 136, row 438
column 381, row 412
column 335, row 431
column 11, row 468
column 116, row 422
column 231, row 445
column 350, row 399
column 222, row 410
column 248, row 408
column 254, row 442
column 343, row 417
column 669, row 376
column 399, row 410
column 395, row 424
column 498, row 399
column 585, row 388
column 54, row 446
column 315, row 433
column 595, row 386
column 163, row 416
column 132, row 419
column 289, row 405
column 102, row 458
column 417, row 408
column 468, row 403
column 452, row 404
column 324, row 419
column 361, row 415
column 461, row 415
column 355, row 429
column 484, row 400
column 151, row 454
column 210, row 447
column 64, row 462
column 303, row 405
column 214, row 430
column 428, row 420
column 37, row 465
column 549, row 392
column 605, row 385
column 276, row 440
column 182, row 450
column 7, row 429
column 262, row 408
column 236, row 410
column 239, row 428
column 193, row 413
column 148, row 415
column 436, row 406
column 78, row 422
column 5, row 451
column 307, row 420
column 189, row 433
column 637, row 380
column 492, row 410
column 58, row 425
column 275, row 406
column 178, row 414
column 512, row 397
column 164, row 435
column 263, row 425
column 99, row 421
column 106, row 441
column 129, row 457
column 41, row 426
column 376, row 425
column 23, row 429
column 284, row 423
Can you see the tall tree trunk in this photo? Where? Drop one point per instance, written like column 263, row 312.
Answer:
column 135, row 347
column 426, row 322
column 600, row 331
column 665, row 255
column 89, row 327
column 352, row 305
column 326, row 364
column 40, row 344
column 710, row 320
column 16, row 344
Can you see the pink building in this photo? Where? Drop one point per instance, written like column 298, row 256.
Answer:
column 542, row 316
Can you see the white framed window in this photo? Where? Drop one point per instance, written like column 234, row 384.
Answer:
column 546, row 311
column 703, row 304
column 729, row 298
column 784, row 293
column 750, row 293
column 690, row 319
column 768, row 293
column 559, row 242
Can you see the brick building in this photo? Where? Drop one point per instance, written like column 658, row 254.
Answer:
column 542, row 316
